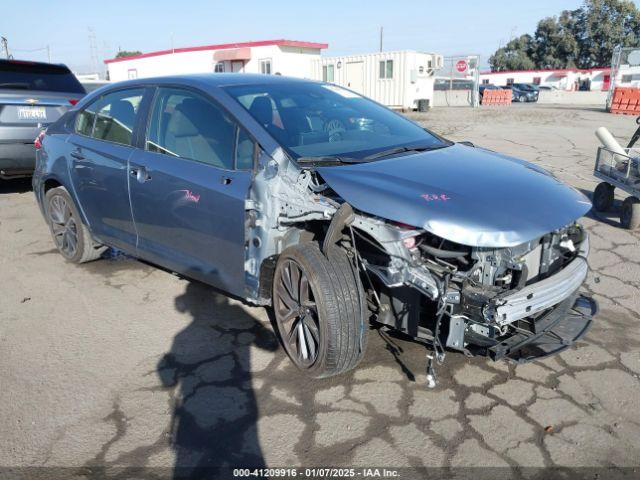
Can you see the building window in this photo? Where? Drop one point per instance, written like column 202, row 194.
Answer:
column 132, row 73
column 627, row 78
column 429, row 64
column 485, row 81
column 265, row 66
column 219, row 67
column 386, row 69
column 509, row 81
column 536, row 80
column 327, row 73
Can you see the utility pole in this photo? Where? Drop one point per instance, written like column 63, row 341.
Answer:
column 49, row 53
column 5, row 47
column 381, row 30
column 93, row 50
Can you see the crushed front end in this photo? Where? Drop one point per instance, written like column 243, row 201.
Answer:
column 520, row 302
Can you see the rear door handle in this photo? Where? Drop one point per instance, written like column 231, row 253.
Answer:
column 77, row 154
column 140, row 173
column 225, row 180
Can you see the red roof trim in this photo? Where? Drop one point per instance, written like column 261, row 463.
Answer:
column 263, row 43
column 546, row 70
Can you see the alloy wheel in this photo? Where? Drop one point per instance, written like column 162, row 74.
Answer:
column 297, row 314
column 63, row 226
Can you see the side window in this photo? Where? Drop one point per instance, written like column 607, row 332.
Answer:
column 84, row 120
column 244, row 151
column 188, row 125
column 116, row 116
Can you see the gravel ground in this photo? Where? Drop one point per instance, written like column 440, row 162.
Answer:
column 120, row 364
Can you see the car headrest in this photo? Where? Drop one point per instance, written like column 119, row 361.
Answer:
column 183, row 121
column 261, row 110
column 123, row 112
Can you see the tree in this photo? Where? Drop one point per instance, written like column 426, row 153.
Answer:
column 554, row 44
column 582, row 38
column 127, row 53
column 603, row 24
column 515, row 55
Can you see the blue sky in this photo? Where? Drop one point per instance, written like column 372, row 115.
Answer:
column 446, row 27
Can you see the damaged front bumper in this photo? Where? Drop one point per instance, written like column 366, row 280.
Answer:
column 541, row 295
column 533, row 339
column 426, row 299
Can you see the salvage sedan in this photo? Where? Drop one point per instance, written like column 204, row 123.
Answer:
column 332, row 209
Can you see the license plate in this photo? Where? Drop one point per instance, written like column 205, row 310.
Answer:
column 32, row 113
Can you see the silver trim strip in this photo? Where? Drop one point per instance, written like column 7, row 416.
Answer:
column 545, row 293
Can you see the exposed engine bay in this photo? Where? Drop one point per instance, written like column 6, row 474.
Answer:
column 520, row 301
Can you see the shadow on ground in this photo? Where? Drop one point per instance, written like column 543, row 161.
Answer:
column 208, row 369
column 610, row 217
column 17, row 185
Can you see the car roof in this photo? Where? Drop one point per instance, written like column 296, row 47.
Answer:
column 215, row 80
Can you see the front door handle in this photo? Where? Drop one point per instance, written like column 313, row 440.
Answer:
column 140, row 173
column 225, row 180
column 77, row 154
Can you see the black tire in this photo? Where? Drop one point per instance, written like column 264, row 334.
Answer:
column 603, row 197
column 630, row 215
column 71, row 237
column 333, row 307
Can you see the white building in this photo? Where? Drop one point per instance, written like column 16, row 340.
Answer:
column 596, row 79
column 286, row 57
column 395, row 79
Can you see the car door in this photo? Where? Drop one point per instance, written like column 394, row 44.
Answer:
column 99, row 151
column 191, row 182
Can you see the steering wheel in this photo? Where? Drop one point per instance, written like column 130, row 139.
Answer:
column 335, row 128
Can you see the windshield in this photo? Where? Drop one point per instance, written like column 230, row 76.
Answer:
column 17, row 75
column 322, row 120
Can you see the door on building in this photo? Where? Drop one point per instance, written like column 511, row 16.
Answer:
column 355, row 76
column 606, row 82
column 237, row 66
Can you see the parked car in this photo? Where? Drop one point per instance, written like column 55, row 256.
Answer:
column 32, row 95
column 523, row 92
column 328, row 207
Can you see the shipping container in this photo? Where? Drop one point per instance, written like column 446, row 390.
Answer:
column 402, row 79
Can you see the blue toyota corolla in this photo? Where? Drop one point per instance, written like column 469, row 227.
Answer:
column 335, row 211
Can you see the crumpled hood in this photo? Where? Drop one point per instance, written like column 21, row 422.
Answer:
column 464, row 194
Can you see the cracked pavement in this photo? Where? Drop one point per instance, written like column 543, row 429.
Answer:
column 117, row 363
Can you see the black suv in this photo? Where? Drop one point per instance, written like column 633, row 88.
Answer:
column 524, row 92
column 32, row 95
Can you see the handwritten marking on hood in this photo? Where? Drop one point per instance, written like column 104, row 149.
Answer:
column 435, row 197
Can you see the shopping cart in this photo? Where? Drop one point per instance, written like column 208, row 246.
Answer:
column 617, row 170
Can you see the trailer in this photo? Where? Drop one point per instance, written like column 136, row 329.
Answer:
column 402, row 80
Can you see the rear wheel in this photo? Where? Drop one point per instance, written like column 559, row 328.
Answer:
column 319, row 309
column 603, row 197
column 70, row 235
column 630, row 215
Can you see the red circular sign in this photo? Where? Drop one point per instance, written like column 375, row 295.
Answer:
column 461, row 65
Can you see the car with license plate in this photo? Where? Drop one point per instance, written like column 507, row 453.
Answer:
column 32, row 95
column 336, row 212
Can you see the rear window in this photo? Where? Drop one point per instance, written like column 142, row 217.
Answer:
column 38, row 76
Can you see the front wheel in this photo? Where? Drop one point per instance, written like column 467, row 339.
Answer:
column 522, row 99
column 319, row 308
column 630, row 215
column 603, row 197
column 70, row 235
